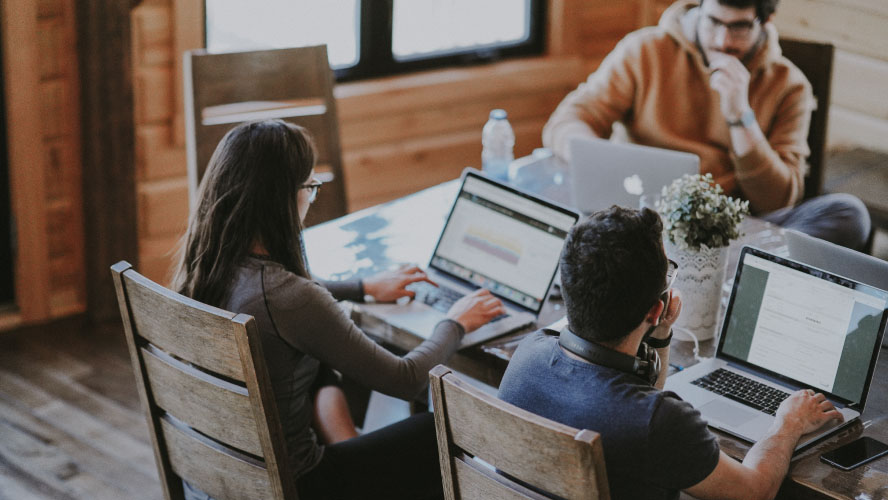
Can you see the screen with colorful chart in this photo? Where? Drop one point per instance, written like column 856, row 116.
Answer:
column 503, row 241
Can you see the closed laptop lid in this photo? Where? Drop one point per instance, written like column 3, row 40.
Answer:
column 837, row 259
column 606, row 173
column 804, row 326
column 503, row 239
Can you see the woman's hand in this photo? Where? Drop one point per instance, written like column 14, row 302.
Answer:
column 389, row 286
column 476, row 309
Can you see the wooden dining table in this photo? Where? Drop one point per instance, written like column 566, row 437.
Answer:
column 406, row 230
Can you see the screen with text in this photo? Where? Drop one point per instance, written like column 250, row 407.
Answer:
column 821, row 332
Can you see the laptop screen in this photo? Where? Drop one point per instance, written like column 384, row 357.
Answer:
column 804, row 325
column 503, row 240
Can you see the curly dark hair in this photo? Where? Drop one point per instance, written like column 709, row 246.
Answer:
column 763, row 8
column 613, row 269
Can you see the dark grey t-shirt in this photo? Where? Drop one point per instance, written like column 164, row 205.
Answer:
column 654, row 443
column 302, row 325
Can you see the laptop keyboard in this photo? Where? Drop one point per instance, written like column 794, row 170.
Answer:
column 440, row 297
column 743, row 390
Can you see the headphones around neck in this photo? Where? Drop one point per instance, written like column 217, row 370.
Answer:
column 645, row 364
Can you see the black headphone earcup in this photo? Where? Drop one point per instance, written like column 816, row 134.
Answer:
column 648, row 365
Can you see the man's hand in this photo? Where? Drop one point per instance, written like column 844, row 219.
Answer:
column 805, row 411
column 476, row 309
column 670, row 316
column 388, row 286
column 730, row 79
column 767, row 461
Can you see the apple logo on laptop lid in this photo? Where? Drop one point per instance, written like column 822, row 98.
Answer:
column 633, row 185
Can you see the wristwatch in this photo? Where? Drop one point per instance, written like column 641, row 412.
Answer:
column 659, row 343
column 746, row 119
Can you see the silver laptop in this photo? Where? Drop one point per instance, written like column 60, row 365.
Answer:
column 495, row 237
column 788, row 326
column 606, row 173
column 838, row 259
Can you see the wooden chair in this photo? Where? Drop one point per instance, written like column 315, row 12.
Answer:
column 206, row 393
column 295, row 85
column 815, row 59
column 527, row 456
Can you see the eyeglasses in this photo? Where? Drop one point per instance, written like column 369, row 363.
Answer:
column 737, row 29
column 314, row 186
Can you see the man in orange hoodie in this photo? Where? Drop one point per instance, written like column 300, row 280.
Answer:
column 710, row 79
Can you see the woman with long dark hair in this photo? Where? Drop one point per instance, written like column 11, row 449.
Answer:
column 244, row 252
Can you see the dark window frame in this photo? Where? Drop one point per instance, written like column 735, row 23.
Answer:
column 8, row 254
column 375, row 58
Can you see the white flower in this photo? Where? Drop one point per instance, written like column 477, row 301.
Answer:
column 696, row 213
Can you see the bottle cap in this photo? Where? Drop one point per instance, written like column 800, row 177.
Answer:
column 498, row 114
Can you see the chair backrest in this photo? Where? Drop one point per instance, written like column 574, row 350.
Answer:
column 206, row 393
column 526, row 456
column 295, row 85
column 815, row 59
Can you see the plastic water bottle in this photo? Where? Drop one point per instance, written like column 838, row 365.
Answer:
column 497, row 140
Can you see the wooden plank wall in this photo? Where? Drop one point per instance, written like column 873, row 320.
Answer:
column 858, row 115
column 42, row 92
column 403, row 134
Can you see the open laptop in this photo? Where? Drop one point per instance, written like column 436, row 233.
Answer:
column 607, row 173
column 788, row 326
column 496, row 237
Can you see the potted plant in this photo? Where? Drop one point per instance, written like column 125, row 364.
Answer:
column 699, row 222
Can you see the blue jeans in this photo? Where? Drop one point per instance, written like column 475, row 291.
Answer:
column 838, row 218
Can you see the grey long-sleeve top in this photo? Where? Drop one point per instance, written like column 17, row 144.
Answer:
column 302, row 326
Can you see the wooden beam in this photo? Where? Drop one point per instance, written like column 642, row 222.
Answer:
column 108, row 134
column 26, row 173
column 188, row 19
column 563, row 28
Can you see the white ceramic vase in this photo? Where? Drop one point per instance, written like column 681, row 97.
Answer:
column 700, row 277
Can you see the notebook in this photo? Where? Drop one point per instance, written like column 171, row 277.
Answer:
column 496, row 237
column 787, row 326
column 607, row 173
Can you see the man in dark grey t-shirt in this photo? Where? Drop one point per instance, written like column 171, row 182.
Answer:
column 605, row 372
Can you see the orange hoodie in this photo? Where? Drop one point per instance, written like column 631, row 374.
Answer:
column 655, row 82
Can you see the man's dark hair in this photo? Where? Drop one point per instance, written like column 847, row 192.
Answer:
column 763, row 8
column 612, row 271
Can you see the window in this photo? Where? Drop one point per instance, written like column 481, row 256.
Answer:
column 380, row 37
column 245, row 25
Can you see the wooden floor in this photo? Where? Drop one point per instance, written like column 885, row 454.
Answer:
column 70, row 422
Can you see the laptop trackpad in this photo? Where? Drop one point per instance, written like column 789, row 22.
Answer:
column 726, row 413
